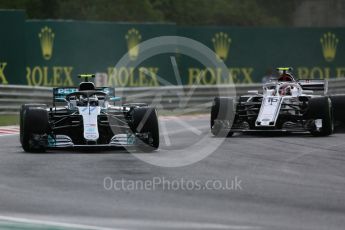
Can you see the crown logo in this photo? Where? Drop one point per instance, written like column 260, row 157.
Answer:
column 46, row 37
column 329, row 44
column 133, row 38
column 221, row 43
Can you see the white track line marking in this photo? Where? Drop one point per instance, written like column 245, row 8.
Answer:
column 53, row 223
column 4, row 135
column 133, row 223
column 156, row 224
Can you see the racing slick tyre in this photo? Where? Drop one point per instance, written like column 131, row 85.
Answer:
column 21, row 120
column 338, row 104
column 222, row 110
column 33, row 129
column 145, row 122
column 321, row 108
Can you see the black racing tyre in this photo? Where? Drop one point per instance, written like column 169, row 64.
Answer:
column 321, row 108
column 145, row 121
column 338, row 104
column 35, row 122
column 22, row 108
column 222, row 109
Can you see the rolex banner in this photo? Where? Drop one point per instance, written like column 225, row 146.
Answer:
column 12, row 47
column 54, row 52
column 252, row 54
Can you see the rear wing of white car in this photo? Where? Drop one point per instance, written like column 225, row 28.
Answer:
column 315, row 85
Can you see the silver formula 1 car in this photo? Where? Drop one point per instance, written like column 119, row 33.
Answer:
column 85, row 117
column 284, row 105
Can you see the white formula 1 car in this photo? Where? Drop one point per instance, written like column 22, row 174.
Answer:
column 284, row 105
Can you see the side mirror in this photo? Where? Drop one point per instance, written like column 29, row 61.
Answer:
column 253, row 91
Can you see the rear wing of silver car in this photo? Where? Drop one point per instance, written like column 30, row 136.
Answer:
column 315, row 85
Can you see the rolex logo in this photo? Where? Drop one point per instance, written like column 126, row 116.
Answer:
column 221, row 43
column 133, row 38
column 46, row 37
column 329, row 44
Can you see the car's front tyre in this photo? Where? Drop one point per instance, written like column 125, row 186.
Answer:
column 33, row 128
column 145, row 122
column 321, row 108
column 222, row 110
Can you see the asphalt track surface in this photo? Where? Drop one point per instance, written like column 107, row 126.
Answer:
column 287, row 182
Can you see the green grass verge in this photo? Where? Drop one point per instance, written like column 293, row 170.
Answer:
column 9, row 120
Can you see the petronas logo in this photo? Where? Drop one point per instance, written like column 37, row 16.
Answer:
column 133, row 38
column 329, row 42
column 46, row 37
column 221, row 43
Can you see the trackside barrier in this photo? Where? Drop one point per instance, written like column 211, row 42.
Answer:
column 188, row 98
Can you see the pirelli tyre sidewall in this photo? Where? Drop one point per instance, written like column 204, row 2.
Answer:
column 223, row 109
column 145, row 121
column 321, row 108
column 21, row 119
column 338, row 104
column 34, row 121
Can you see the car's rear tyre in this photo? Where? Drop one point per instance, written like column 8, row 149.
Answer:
column 222, row 109
column 321, row 108
column 35, row 125
column 145, row 121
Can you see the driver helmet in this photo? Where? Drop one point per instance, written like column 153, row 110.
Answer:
column 285, row 90
column 285, row 77
column 82, row 101
column 93, row 100
column 285, row 74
